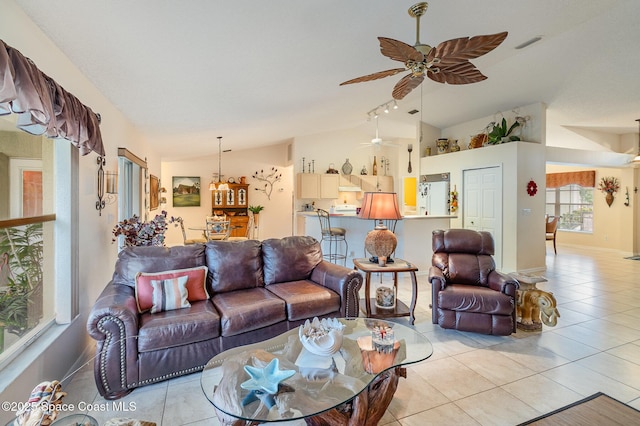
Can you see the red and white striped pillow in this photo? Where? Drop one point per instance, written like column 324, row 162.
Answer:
column 169, row 294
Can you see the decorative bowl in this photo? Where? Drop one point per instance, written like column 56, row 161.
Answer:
column 321, row 337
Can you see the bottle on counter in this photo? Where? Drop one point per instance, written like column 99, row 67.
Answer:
column 375, row 166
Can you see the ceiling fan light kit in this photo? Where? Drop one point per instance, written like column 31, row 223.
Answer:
column 447, row 63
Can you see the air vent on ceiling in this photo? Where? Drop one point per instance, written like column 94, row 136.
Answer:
column 413, row 111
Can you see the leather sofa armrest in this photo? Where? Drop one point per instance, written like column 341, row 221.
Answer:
column 438, row 282
column 503, row 283
column 113, row 322
column 344, row 281
column 437, row 277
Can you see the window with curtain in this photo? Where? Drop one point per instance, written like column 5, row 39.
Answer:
column 27, row 238
column 570, row 197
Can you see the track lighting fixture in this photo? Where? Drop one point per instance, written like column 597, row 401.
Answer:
column 374, row 112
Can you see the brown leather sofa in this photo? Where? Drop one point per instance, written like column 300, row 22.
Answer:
column 467, row 292
column 257, row 290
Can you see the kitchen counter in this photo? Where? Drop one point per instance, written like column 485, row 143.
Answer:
column 413, row 233
column 348, row 216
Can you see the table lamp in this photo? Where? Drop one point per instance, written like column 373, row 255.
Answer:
column 380, row 206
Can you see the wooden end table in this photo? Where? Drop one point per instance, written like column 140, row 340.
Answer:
column 401, row 309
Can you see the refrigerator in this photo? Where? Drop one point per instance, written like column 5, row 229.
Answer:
column 433, row 195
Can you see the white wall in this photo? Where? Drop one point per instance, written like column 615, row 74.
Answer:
column 613, row 226
column 522, row 215
column 96, row 253
column 276, row 218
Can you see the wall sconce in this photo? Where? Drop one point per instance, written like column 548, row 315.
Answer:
column 110, row 186
column 163, row 199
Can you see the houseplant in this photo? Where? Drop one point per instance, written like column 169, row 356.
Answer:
column 609, row 185
column 22, row 279
column 138, row 233
column 500, row 133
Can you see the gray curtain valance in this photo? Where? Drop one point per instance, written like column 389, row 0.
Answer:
column 43, row 106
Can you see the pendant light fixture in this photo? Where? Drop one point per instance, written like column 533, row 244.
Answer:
column 221, row 186
column 637, row 159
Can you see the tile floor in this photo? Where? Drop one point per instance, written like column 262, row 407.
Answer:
column 474, row 379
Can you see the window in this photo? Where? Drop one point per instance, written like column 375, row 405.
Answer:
column 28, row 238
column 573, row 204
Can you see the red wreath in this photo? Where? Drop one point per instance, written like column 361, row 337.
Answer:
column 532, row 188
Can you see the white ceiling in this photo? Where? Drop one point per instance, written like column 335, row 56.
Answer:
column 261, row 72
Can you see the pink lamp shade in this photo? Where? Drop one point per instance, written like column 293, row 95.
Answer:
column 380, row 206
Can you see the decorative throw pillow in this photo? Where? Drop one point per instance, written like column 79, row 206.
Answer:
column 169, row 294
column 196, row 285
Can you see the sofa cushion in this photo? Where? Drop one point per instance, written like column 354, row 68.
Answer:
column 196, row 285
column 234, row 265
column 175, row 328
column 245, row 310
column 305, row 299
column 290, row 258
column 461, row 297
column 169, row 294
column 133, row 260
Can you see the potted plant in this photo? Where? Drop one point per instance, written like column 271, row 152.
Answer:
column 500, row 132
column 256, row 212
column 609, row 185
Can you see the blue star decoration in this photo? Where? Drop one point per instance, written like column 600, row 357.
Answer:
column 266, row 379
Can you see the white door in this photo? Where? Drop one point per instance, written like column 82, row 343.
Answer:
column 482, row 204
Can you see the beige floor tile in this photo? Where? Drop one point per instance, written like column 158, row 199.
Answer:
column 453, row 379
column 616, row 368
column 591, row 337
column 494, row 366
column 563, row 346
column 497, row 407
column 145, row 403
column 448, row 414
column 629, row 352
column 529, row 354
column 542, row 393
column 414, row 394
column 186, row 403
column 587, row 382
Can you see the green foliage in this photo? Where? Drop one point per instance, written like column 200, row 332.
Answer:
column 23, row 246
column 500, row 131
column 256, row 209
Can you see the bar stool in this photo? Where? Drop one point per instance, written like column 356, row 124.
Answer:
column 333, row 236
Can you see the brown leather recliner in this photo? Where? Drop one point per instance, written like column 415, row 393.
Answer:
column 468, row 294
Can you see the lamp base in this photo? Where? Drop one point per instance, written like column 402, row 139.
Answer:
column 374, row 259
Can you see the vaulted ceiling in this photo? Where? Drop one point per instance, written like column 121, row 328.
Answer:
column 262, row 72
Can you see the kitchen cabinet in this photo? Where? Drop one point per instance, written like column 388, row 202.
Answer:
column 234, row 204
column 329, row 185
column 315, row 185
column 307, row 185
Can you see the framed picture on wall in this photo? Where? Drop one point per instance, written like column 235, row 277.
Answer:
column 186, row 191
column 154, row 192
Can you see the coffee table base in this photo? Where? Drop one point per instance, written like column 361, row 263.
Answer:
column 365, row 409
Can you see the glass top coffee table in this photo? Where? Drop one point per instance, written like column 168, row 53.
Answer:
column 320, row 386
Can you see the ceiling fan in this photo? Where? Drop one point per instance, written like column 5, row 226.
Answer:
column 377, row 142
column 446, row 63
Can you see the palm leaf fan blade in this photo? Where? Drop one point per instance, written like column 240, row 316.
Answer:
column 406, row 85
column 374, row 76
column 460, row 73
column 399, row 51
column 459, row 49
